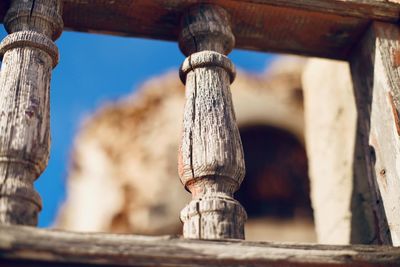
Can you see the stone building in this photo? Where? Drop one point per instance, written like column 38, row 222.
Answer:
column 123, row 176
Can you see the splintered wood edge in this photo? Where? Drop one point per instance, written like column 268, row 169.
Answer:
column 21, row 245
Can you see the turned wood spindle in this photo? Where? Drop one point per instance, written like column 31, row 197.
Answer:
column 211, row 164
column 28, row 56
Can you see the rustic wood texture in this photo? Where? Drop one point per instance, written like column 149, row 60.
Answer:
column 316, row 28
column 29, row 55
column 376, row 78
column 211, row 164
column 27, row 246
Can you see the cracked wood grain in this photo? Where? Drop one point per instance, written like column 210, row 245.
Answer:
column 336, row 25
column 28, row 55
column 376, row 79
column 211, row 164
column 26, row 246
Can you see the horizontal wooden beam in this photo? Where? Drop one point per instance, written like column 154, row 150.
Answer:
column 27, row 246
column 383, row 10
column 324, row 28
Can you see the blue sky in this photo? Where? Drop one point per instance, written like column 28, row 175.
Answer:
column 95, row 69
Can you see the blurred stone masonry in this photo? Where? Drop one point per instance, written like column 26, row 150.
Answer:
column 123, row 176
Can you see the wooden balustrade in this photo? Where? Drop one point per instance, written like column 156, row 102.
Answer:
column 29, row 55
column 211, row 164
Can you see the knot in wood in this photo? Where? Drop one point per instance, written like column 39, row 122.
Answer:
column 30, row 39
column 43, row 16
column 206, row 27
column 206, row 59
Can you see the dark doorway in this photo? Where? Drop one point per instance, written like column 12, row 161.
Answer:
column 276, row 183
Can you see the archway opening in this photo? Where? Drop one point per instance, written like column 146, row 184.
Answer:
column 275, row 191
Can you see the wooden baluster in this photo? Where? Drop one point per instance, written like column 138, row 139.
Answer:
column 211, row 164
column 29, row 55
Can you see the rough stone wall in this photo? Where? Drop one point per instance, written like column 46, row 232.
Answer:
column 123, row 176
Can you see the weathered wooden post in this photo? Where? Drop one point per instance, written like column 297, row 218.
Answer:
column 211, row 164
column 375, row 68
column 29, row 55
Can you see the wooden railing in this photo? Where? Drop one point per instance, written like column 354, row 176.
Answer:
column 211, row 163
